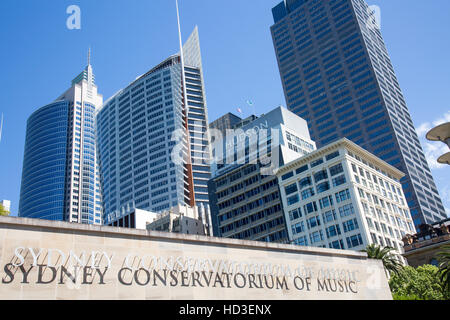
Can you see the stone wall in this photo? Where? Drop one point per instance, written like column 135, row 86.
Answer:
column 56, row 260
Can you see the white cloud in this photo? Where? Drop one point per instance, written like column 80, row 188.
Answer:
column 433, row 150
column 445, row 195
column 423, row 129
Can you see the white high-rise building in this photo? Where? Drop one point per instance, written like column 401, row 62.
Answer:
column 140, row 127
column 179, row 219
column 341, row 196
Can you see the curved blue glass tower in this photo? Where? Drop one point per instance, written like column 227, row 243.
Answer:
column 60, row 178
column 44, row 166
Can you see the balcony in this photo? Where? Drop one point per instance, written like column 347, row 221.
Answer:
column 428, row 235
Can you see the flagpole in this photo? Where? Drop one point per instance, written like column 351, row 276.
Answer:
column 251, row 104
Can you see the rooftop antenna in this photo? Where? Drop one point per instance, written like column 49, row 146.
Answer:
column 89, row 56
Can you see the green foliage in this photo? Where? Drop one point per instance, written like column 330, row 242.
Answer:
column 3, row 211
column 386, row 255
column 400, row 297
column 421, row 283
column 444, row 267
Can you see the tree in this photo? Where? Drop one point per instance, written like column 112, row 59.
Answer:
column 3, row 211
column 421, row 283
column 444, row 267
column 389, row 259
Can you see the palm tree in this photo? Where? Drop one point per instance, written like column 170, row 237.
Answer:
column 444, row 266
column 389, row 259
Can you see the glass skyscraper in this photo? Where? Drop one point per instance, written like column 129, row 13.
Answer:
column 60, row 179
column 135, row 129
column 337, row 74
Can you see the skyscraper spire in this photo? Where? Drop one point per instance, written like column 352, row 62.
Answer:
column 87, row 74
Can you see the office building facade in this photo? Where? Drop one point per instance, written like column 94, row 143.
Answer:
column 244, row 194
column 225, row 122
column 60, row 179
column 182, row 219
column 138, row 129
column 178, row 219
column 343, row 197
column 337, row 74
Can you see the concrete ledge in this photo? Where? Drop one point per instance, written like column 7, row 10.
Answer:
column 27, row 223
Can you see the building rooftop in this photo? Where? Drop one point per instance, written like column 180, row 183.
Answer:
column 344, row 142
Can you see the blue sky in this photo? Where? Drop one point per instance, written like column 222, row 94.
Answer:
column 40, row 57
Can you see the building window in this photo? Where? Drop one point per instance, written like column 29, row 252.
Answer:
column 302, row 241
column 298, row 228
column 313, row 222
column 307, row 193
column 293, row 200
column 350, row 225
column 338, row 244
column 325, row 202
column 332, row 155
column 295, row 214
column 291, row 189
column 301, row 169
column 377, row 226
column 287, row 176
column 316, row 236
column 321, row 175
column 339, row 181
column 329, row 216
column 369, row 223
column 316, row 163
column 310, row 207
column 335, row 170
column 354, row 241
column 333, row 231
column 346, row 210
column 374, row 238
column 342, row 196
column 322, row 187
column 305, row 182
